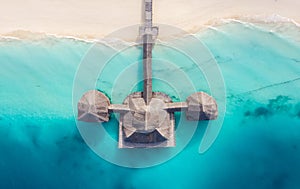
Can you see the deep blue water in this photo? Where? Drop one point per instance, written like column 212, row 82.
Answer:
column 258, row 146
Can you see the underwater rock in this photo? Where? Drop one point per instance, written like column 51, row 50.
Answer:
column 261, row 111
column 280, row 104
column 298, row 114
column 297, row 110
column 247, row 113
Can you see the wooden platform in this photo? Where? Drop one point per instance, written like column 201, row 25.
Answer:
column 147, row 126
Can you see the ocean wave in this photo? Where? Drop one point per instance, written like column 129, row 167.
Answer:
column 274, row 18
column 24, row 35
column 31, row 35
column 280, row 26
column 270, row 23
column 260, row 18
column 284, row 27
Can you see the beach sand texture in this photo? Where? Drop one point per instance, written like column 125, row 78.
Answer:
column 97, row 18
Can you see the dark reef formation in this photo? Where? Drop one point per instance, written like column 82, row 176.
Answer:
column 279, row 105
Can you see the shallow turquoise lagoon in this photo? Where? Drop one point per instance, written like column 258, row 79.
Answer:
column 258, row 145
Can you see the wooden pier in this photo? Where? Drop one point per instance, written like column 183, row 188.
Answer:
column 147, row 117
column 148, row 33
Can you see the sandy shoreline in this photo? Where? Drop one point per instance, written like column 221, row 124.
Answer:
column 97, row 18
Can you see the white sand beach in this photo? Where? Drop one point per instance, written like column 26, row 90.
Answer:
column 97, row 18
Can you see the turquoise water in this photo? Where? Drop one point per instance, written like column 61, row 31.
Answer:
column 258, row 146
